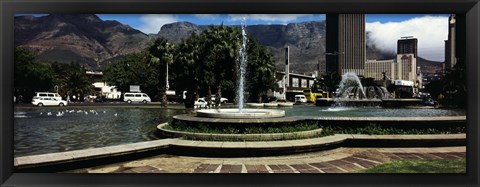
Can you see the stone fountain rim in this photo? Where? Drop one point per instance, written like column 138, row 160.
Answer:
column 247, row 114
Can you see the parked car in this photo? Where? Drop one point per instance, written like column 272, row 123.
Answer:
column 300, row 99
column 47, row 94
column 223, row 100
column 48, row 101
column 100, row 99
column 429, row 102
column 136, row 97
column 200, row 103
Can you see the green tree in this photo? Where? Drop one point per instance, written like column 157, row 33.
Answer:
column 72, row 79
column 330, row 82
column 186, row 71
column 31, row 76
column 219, row 59
column 261, row 71
column 161, row 55
column 210, row 61
column 134, row 69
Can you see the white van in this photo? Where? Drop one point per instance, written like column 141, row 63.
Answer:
column 136, row 97
column 300, row 99
column 47, row 94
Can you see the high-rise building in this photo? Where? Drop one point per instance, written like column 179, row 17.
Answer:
column 346, row 47
column 407, row 51
column 404, row 67
column 376, row 68
column 407, row 45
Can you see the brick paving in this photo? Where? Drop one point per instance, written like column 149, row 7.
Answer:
column 346, row 165
column 343, row 160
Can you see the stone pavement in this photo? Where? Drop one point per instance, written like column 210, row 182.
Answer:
column 341, row 160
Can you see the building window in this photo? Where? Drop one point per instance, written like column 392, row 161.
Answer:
column 295, row 82
column 304, row 83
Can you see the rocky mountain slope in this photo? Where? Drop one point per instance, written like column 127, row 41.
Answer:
column 88, row 39
column 80, row 37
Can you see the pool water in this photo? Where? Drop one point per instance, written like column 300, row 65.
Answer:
column 370, row 112
column 37, row 132
column 40, row 130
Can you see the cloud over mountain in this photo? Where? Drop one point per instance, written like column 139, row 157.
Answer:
column 151, row 23
column 431, row 32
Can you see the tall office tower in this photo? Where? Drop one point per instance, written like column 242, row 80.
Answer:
column 450, row 44
column 346, row 47
column 407, row 59
column 407, row 45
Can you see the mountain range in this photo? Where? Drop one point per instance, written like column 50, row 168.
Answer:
column 94, row 42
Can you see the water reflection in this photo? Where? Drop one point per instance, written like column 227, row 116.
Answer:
column 36, row 132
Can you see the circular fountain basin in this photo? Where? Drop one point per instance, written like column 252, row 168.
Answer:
column 255, row 104
column 285, row 104
column 271, row 104
column 245, row 114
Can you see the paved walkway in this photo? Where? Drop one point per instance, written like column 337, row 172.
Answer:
column 341, row 160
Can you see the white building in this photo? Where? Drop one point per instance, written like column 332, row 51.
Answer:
column 102, row 88
column 402, row 68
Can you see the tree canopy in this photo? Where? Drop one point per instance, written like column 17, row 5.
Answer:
column 200, row 64
column 31, row 76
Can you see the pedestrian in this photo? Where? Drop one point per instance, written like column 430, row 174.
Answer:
column 74, row 98
column 68, row 98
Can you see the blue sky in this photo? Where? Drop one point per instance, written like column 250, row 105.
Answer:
column 386, row 29
column 430, row 29
column 138, row 21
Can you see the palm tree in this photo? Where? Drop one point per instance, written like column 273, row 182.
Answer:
column 75, row 81
column 186, row 69
column 161, row 54
column 261, row 68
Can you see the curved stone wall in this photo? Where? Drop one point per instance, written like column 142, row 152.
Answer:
column 239, row 137
column 246, row 114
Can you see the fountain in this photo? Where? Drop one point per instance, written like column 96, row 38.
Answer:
column 243, row 66
column 351, row 92
column 241, row 113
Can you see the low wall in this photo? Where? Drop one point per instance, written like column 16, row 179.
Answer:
column 375, row 102
column 238, row 137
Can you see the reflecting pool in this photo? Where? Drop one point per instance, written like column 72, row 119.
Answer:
column 47, row 130
column 300, row 110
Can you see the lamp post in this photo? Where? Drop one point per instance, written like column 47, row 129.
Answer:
column 167, row 85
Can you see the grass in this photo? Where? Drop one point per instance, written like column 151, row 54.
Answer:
column 421, row 166
column 233, row 129
column 327, row 130
column 375, row 129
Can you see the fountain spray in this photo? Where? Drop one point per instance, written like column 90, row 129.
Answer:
column 242, row 66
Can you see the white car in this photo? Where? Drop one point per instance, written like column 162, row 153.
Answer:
column 48, row 101
column 200, row 103
column 300, row 99
column 222, row 99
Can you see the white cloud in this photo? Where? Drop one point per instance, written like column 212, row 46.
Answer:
column 267, row 17
column 431, row 32
column 151, row 23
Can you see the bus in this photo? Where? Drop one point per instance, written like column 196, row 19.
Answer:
column 312, row 95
